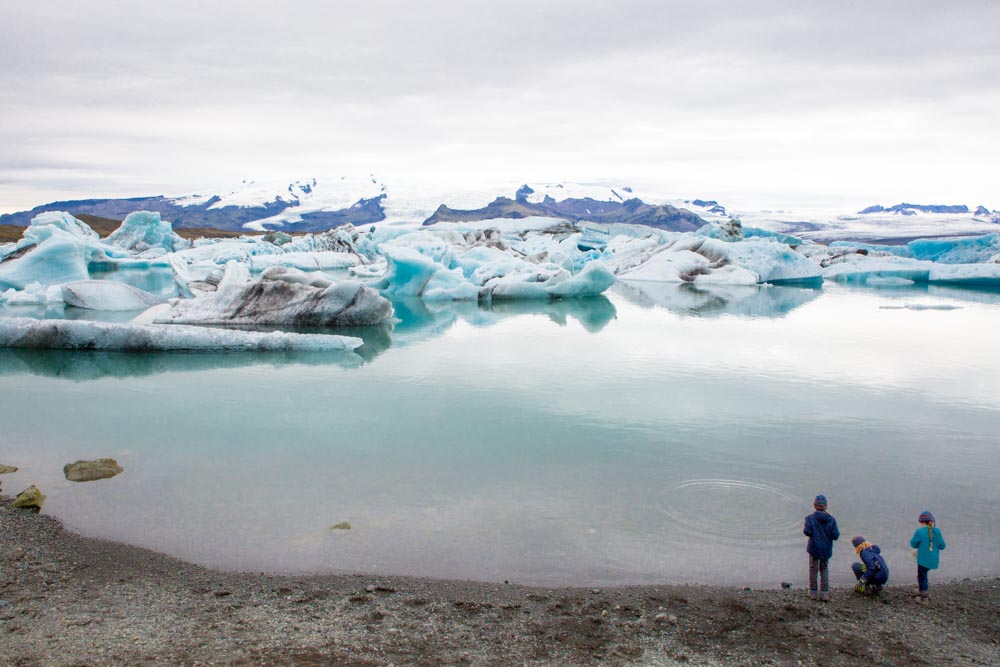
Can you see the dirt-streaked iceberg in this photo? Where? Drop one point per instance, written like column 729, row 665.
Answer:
column 108, row 295
column 23, row 332
column 704, row 260
column 282, row 296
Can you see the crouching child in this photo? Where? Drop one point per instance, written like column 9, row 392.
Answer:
column 872, row 572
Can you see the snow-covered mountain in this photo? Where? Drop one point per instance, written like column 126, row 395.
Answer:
column 302, row 205
column 316, row 204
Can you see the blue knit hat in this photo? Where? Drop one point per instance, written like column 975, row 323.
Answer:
column 856, row 540
column 820, row 503
column 926, row 517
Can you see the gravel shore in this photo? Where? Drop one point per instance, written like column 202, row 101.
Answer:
column 70, row 600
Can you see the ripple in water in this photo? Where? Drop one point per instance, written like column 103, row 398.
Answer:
column 726, row 509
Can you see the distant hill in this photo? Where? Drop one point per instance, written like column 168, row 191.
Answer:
column 104, row 226
column 576, row 209
column 913, row 209
column 207, row 214
column 312, row 206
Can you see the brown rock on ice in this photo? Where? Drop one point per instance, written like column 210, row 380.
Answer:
column 4, row 469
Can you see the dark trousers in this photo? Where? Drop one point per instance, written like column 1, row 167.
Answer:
column 819, row 566
column 922, row 577
column 871, row 580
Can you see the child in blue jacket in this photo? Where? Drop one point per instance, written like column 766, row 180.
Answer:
column 928, row 542
column 872, row 572
column 821, row 529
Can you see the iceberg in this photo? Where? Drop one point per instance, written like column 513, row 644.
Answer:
column 969, row 275
column 731, row 230
column 860, row 268
column 340, row 239
column 701, row 259
column 23, row 332
column 281, row 296
column 882, row 271
column 107, row 295
column 887, row 281
column 58, row 257
column 966, row 250
column 34, row 294
column 678, row 265
column 433, row 269
column 306, row 261
column 62, row 221
column 960, row 250
column 410, row 273
column 593, row 280
column 773, row 262
column 144, row 230
column 845, row 247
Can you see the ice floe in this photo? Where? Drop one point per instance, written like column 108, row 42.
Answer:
column 705, row 260
column 22, row 332
column 281, row 296
column 107, row 295
column 278, row 279
column 145, row 230
column 55, row 257
column 962, row 250
column 33, row 294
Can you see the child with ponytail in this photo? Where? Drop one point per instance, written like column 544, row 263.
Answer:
column 928, row 542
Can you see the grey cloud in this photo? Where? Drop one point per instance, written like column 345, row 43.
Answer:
column 231, row 85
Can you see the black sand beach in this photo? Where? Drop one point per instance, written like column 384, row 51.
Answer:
column 70, row 600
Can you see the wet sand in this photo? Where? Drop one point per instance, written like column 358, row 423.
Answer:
column 70, row 600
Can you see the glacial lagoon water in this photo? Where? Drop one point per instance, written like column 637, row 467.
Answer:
column 662, row 434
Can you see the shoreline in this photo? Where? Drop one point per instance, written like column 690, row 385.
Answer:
column 71, row 600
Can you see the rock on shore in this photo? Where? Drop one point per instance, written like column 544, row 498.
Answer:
column 30, row 499
column 89, row 471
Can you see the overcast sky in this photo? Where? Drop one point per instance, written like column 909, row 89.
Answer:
column 771, row 103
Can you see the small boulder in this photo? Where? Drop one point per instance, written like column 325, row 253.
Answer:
column 4, row 470
column 30, row 499
column 343, row 525
column 88, row 471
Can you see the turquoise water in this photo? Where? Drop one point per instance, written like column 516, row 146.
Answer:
column 660, row 434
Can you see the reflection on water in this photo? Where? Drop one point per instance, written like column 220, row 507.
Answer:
column 602, row 441
column 90, row 365
column 716, row 300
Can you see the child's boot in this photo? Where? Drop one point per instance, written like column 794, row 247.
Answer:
column 812, row 595
column 824, row 596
